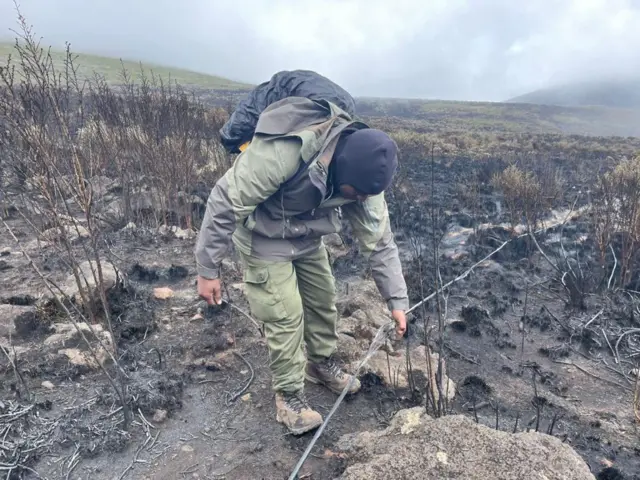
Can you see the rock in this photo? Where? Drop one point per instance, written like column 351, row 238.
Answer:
column 66, row 334
column 48, row 385
column 181, row 233
column 17, row 320
column 68, row 341
column 393, row 370
column 162, row 293
column 84, row 359
column 451, row 447
column 212, row 362
column 349, row 349
column 5, row 266
column 101, row 185
column 335, row 246
column 149, row 200
column 5, row 251
column 18, row 350
column 365, row 312
column 110, row 277
column 159, row 415
column 364, row 296
column 456, row 324
column 113, row 210
column 72, row 232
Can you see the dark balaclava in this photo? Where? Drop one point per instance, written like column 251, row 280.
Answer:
column 365, row 159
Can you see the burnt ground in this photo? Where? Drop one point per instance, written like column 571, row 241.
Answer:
column 188, row 366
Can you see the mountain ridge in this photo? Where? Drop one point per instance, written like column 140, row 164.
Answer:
column 615, row 93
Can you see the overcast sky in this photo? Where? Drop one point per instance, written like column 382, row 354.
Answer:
column 448, row 49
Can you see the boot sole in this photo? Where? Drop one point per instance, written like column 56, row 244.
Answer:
column 299, row 431
column 317, row 381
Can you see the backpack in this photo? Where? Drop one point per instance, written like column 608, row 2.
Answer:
column 238, row 131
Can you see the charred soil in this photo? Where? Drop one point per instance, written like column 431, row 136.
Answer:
column 196, row 378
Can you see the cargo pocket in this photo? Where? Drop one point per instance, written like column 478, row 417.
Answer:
column 264, row 298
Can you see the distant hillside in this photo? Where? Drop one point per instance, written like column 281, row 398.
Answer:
column 111, row 69
column 558, row 111
column 618, row 94
column 451, row 116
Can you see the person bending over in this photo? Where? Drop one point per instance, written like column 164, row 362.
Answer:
column 308, row 166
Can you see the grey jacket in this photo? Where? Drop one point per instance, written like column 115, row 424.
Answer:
column 274, row 202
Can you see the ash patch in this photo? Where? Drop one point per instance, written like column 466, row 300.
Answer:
column 90, row 436
column 610, row 473
column 132, row 313
column 19, row 300
column 475, row 389
column 477, row 319
column 26, row 434
column 154, row 273
column 161, row 393
column 556, row 352
column 542, row 320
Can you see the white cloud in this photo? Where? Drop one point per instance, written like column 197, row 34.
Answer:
column 463, row 49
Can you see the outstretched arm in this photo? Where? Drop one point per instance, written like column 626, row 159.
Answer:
column 370, row 223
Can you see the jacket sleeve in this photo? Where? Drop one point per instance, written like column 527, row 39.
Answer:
column 256, row 174
column 371, row 226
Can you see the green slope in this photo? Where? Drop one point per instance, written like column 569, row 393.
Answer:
column 111, row 69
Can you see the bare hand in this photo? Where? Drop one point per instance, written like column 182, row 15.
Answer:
column 210, row 290
column 401, row 322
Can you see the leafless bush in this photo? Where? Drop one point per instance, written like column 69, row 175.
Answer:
column 37, row 106
column 425, row 246
column 523, row 194
column 79, row 156
column 616, row 217
column 468, row 192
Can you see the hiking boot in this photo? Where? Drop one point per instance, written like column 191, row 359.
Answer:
column 294, row 411
column 329, row 374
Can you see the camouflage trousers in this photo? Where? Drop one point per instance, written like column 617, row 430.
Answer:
column 295, row 301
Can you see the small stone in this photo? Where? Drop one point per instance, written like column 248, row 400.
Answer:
column 226, row 339
column 183, row 234
column 187, row 448
column 162, row 293
column 159, row 415
column 5, row 251
column 605, row 462
column 48, row 385
column 229, row 265
column 246, row 397
column 197, row 317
